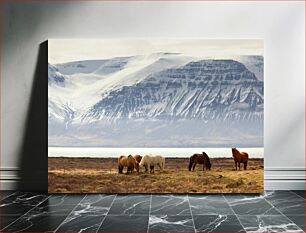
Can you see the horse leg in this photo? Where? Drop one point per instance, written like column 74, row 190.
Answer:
column 194, row 165
column 236, row 165
column 190, row 165
column 160, row 167
column 245, row 165
column 146, row 167
column 239, row 166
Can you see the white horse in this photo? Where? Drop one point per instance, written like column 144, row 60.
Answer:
column 151, row 161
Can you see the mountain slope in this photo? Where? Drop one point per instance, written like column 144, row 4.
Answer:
column 155, row 100
column 207, row 89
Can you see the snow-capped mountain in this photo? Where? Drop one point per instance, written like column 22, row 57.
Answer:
column 82, row 90
column 156, row 100
column 206, row 89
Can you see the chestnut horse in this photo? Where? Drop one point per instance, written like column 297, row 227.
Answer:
column 129, row 162
column 200, row 159
column 137, row 158
column 240, row 157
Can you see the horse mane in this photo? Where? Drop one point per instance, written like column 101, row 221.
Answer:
column 235, row 149
column 235, row 152
column 205, row 155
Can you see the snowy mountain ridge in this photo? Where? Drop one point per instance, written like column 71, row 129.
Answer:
column 195, row 90
column 103, row 101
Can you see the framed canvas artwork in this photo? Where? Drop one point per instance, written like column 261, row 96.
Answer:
column 155, row 116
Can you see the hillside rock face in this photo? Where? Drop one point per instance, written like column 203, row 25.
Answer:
column 200, row 103
column 208, row 90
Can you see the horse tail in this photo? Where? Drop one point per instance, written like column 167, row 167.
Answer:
column 190, row 162
column 244, row 156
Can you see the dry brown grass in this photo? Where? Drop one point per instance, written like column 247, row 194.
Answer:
column 82, row 175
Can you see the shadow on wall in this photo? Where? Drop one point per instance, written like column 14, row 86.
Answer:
column 34, row 152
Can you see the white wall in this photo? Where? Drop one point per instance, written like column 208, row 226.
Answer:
column 280, row 24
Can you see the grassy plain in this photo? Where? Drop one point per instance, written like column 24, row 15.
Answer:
column 100, row 175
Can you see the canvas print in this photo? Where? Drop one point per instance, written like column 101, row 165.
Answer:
column 155, row 116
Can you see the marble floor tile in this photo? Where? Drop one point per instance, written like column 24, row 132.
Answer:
column 48, row 214
column 250, row 205
column 299, row 220
column 279, row 211
column 127, row 223
column 266, row 223
column 170, row 205
column 44, row 208
column 5, row 194
column 166, row 223
column 286, row 202
column 301, row 193
column 209, row 205
column 57, row 205
column 81, row 223
column 58, row 199
column 7, row 220
column 95, row 204
column 35, row 223
column 217, row 223
column 21, row 202
column 130, row 204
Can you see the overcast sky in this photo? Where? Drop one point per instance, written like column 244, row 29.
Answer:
column 66, row 50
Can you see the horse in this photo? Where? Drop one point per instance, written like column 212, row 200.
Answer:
column 129, row 162
column 240, row 157
column 199, row 159
column 137, row 158
column 151, row 161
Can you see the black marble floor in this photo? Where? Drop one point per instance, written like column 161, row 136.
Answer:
column 273, row 211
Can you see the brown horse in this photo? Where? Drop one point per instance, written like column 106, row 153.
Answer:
column 137, row 158
column 129, row 162
column 199, row 159
column 240, row 157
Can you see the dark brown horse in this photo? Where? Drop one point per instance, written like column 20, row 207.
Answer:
column 240, row 157
column 199, row 159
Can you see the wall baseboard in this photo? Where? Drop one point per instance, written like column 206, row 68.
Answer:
column 285, row 178
column 284, row 184
column 276, row 178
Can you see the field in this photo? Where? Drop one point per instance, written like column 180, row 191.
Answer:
column 100, row 175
